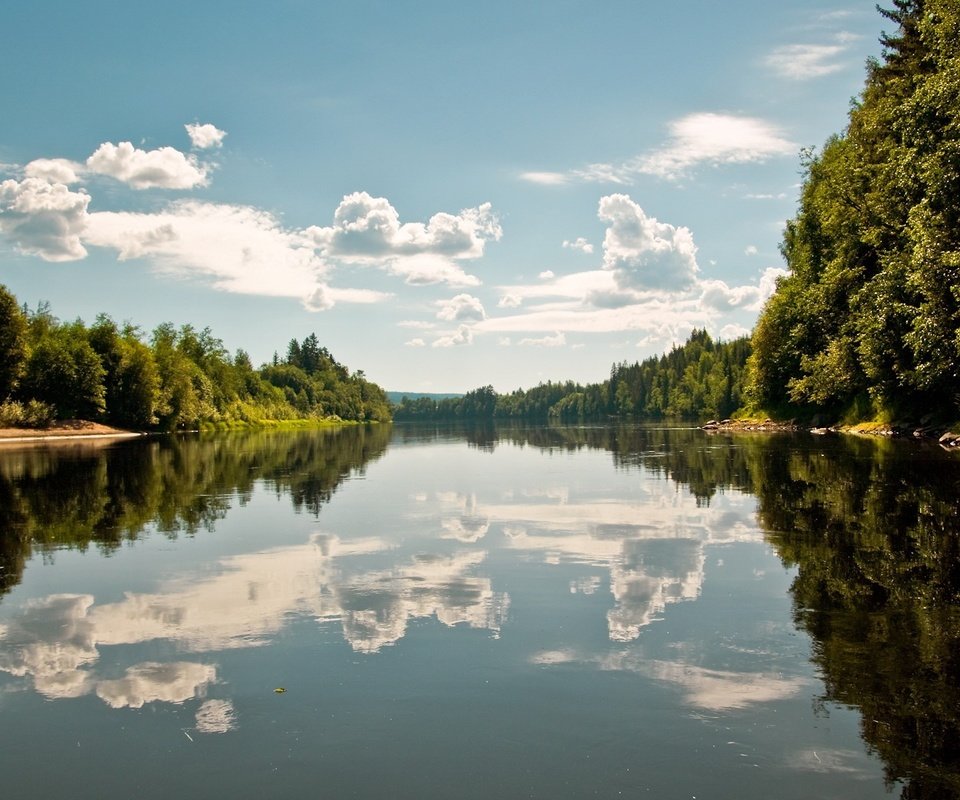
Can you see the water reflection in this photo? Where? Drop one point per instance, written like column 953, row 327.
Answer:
column 90, row 493
column 650, row 564
column 57, row 641
column 872, row 530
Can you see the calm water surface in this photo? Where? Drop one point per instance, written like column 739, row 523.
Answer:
column 511, row 613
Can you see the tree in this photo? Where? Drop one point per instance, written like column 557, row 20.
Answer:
column 65, row 371
column 13, row 343
column 869, row 315
column 131, row 380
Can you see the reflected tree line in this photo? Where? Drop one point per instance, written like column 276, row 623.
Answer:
column 873, row 529
column 871, row 526
column 93, row 495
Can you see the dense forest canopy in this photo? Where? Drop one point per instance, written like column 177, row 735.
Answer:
column 701, row 379
column 174, row 379
column 867, row 322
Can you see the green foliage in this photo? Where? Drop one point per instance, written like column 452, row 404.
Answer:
column 699, row 380
column 32, row 414
column 63, row 370
column 872, row 302
column 13, row 343
column 181, row 379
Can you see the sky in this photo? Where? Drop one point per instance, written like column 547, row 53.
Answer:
column 448, row 194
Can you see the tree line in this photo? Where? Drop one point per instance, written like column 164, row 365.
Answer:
column 175, row 378
column 702, row 378
column 867, row 322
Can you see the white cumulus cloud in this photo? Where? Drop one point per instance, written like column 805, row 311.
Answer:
column 54, row 170
column 163, row 168
column 462, row 308
column 716, row 294
column 642, row 253
column 205, row 136
column 44, row 219
column 463, row 336
column 580, row 244
column 367, row 230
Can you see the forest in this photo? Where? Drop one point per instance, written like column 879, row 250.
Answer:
column 867, row 322
column 701, row 379
column 173, row 379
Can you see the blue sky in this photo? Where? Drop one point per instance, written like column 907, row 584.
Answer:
column 448, row 194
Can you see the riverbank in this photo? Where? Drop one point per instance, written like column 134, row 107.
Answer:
column 71, row 429
column 944, row 435
column 65, row 429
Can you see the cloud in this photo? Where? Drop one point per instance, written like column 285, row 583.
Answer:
column 545, row 178
column 557, row 340
column 54, row 170
column 44, row 219
column 367, row 230
column 801, row 62
column 237, row 248
column 164, row 168
column 509, row 300
column 713, row 139
column 205, row 136
column 698, row 139
column 580, row 244
column 546, row 275
column 415, row 343
column 718, row 295
column 643, row 253
column 461, row 308
column 750, row 250
column 733, row 331
column 319, row 300
column 463, row 336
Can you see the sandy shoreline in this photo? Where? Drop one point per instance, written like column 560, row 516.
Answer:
column 64, row 430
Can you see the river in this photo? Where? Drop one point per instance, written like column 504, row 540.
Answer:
column 418, row 612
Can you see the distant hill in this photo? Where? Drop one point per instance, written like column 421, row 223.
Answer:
column 396, row 397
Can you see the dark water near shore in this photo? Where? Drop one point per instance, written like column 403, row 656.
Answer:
column 548, row 612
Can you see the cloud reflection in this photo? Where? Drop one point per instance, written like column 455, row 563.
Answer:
column 652, row 548
column 57, row 640
column 151, row 682
column 707, row 689
column 216, row 716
